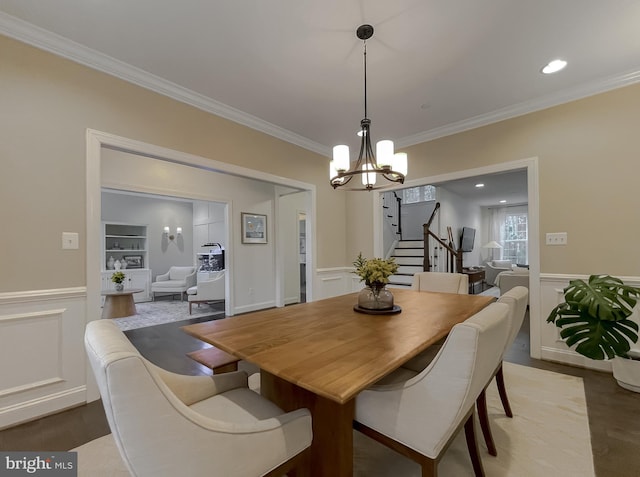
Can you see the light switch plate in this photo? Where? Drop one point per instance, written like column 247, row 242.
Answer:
column 558, row 238
column 70, row 241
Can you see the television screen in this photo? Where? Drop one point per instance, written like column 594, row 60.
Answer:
column 467, row 238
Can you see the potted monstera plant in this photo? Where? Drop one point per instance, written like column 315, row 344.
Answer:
column 595, row 319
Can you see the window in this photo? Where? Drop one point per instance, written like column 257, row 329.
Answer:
column 418, row 194
column 515, row 238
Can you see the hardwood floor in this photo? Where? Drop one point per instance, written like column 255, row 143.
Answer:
column 614, row 419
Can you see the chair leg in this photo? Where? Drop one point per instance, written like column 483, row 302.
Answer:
column 483, row 416
column 190, row 303
column 472, row 445
column 429, row 468
column 502, row 390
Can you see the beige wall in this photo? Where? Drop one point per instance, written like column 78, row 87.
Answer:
column 588, row 170
column 46, row 105
column 587, row 152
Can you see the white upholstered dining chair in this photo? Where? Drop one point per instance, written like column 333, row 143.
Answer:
column 419, row 414
column 441, row 282
column 435, row 282
column 167, row 424
column 516, row 299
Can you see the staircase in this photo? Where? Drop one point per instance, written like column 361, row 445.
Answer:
column 409, row 255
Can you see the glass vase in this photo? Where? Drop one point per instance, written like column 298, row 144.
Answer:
column 375, row 296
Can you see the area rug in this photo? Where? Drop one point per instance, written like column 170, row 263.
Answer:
column 548, row 436
column 166, row 311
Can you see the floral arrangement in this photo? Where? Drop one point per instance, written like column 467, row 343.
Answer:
column 117, row 277
column 375, row 270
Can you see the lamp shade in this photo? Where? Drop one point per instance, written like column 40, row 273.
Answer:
column 400, row 162
column 384, row 153
column 341, row 157
column 368, row 179
column 492, row 244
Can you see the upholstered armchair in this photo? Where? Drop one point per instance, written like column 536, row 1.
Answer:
column 419, row 414
column 494, row 267
column 167, row 424
column 207, row 290
column 176, row 280
column 441, row 282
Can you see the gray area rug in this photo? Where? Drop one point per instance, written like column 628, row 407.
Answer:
column 166, row 311
column 548, row 436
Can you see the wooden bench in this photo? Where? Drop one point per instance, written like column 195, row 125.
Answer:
column 215, row 359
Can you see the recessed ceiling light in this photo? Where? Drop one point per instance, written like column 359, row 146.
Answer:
column 503, row 201
column 554, row 66
column 480, row 185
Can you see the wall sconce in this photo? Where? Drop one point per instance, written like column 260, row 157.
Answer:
column 169, row 235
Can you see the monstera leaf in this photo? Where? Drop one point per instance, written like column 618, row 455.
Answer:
column 593, row 337
column 605, row 297
column 594, row 316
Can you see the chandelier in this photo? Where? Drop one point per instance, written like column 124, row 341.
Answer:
column 392, row 167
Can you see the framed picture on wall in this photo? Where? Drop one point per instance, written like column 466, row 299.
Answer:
column 133, row 261
column 254, row 228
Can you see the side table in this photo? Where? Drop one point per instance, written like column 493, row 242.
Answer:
column 118, row 304
column 476, row 275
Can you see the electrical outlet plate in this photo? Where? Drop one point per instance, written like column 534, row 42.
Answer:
column 558, row 238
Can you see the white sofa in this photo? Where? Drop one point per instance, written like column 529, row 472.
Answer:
column 517, row 277
column 493, row 268
column 176, row 280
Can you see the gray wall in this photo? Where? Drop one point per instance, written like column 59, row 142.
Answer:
column 155, row 213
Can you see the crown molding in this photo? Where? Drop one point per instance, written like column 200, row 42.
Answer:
column 60, row 46
column 526, row 107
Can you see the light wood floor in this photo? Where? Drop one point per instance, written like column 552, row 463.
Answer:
column 614, row 413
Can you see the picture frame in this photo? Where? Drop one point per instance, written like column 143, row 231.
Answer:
column 254, row 228
column 134, row 261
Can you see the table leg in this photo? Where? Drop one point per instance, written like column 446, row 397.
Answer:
column 332, row 446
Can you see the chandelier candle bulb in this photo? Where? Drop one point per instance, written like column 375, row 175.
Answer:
column 400, row 163
column 341, row 158
column 368, row 179
column 384, row 153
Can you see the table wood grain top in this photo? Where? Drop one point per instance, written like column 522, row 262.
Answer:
column 331, row 350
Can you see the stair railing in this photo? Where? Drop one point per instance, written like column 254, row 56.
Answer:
column 453, row 255
column 399, row 215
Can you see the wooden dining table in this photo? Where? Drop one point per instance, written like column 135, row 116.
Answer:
column 321, row 354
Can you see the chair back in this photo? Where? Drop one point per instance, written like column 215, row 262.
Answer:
column 180, row 273
column 517, row 299
column 424, row 412
column 441, row 282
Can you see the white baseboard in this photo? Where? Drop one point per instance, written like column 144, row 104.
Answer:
column 42, row 406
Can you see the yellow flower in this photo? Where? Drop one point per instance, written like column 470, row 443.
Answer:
column 375, row 270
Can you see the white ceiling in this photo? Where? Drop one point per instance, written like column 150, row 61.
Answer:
column 294, row 68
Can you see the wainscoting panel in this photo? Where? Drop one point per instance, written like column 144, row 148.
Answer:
column 42, row 358
column 553, row 347
column 336, row 281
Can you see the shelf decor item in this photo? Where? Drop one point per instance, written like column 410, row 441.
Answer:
column 375, row 273
column 117, row 278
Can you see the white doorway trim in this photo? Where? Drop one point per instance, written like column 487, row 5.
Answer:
column 531, row 166
column 95, row 141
